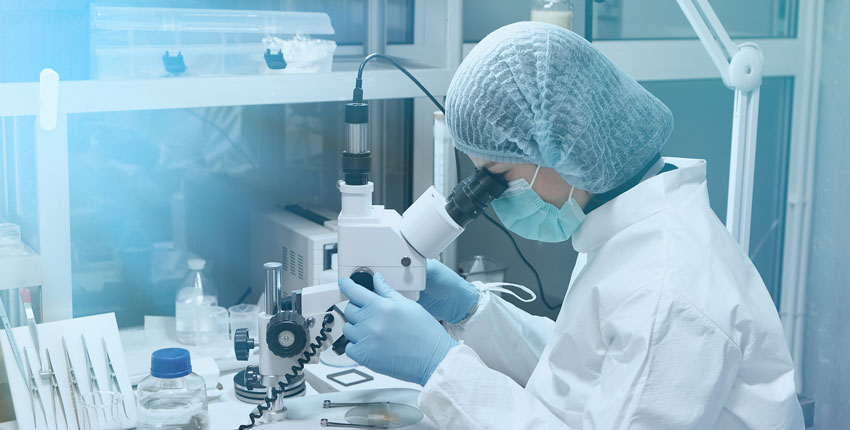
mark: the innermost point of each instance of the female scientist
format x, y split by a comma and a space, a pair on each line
666, 323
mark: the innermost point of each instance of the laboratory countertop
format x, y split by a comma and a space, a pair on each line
306, 412
228, 412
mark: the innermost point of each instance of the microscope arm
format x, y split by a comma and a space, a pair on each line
313, 303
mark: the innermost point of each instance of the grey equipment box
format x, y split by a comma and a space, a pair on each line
303, 241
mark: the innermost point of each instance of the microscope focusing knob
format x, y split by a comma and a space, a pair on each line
252, 377
286, 335
339, 345
242, 344
363, 277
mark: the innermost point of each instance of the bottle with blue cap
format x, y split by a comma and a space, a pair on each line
172, 397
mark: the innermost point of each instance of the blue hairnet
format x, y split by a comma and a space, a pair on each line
537, 93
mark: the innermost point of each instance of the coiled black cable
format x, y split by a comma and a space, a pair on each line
295, 370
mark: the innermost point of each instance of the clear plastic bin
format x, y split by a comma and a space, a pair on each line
140, 43
10, 234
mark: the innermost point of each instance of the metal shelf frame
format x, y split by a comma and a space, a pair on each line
432, 60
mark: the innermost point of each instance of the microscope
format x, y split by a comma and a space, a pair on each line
295, 329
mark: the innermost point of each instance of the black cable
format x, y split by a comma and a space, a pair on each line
513, 241
295, 370
244, 296
588, 20
524, 260
358, 98
359, 83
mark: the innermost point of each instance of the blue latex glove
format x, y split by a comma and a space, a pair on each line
392, 334
447, 296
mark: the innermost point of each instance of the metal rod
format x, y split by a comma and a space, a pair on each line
325, 423
328, 404
273, 287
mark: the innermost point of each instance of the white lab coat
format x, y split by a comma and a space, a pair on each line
666, 326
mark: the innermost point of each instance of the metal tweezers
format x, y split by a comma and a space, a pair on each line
56, 394
72, 382
113, 377
92, 378
34, 393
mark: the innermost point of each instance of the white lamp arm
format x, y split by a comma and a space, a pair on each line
741, 67
711, 33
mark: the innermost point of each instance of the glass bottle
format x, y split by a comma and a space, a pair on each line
557, 12
194, 301
172, 397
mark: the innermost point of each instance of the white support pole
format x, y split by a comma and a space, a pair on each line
444, 173
376, 26
54, 220
801, 182
454, 34
742, 166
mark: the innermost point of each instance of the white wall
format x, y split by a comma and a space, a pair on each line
826, 368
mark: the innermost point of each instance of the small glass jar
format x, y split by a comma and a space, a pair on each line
557, 12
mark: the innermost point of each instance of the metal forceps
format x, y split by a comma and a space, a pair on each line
72, 382
34, 393
113, 377
93, 384
92, 378
56, 394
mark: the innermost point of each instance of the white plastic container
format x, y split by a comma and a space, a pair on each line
133, 42
557, 12
172, 397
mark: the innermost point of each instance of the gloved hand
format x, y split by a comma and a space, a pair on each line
391, 334
447, 296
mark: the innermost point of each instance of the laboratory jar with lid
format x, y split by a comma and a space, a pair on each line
172, 397
557, 12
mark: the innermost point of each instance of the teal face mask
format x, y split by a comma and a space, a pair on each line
523, 212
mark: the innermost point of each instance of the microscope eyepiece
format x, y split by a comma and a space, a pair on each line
471, 196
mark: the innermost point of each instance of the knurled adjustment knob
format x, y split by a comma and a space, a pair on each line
252, 377
242, 344
286, 334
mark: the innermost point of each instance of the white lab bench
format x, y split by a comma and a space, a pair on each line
228, 412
